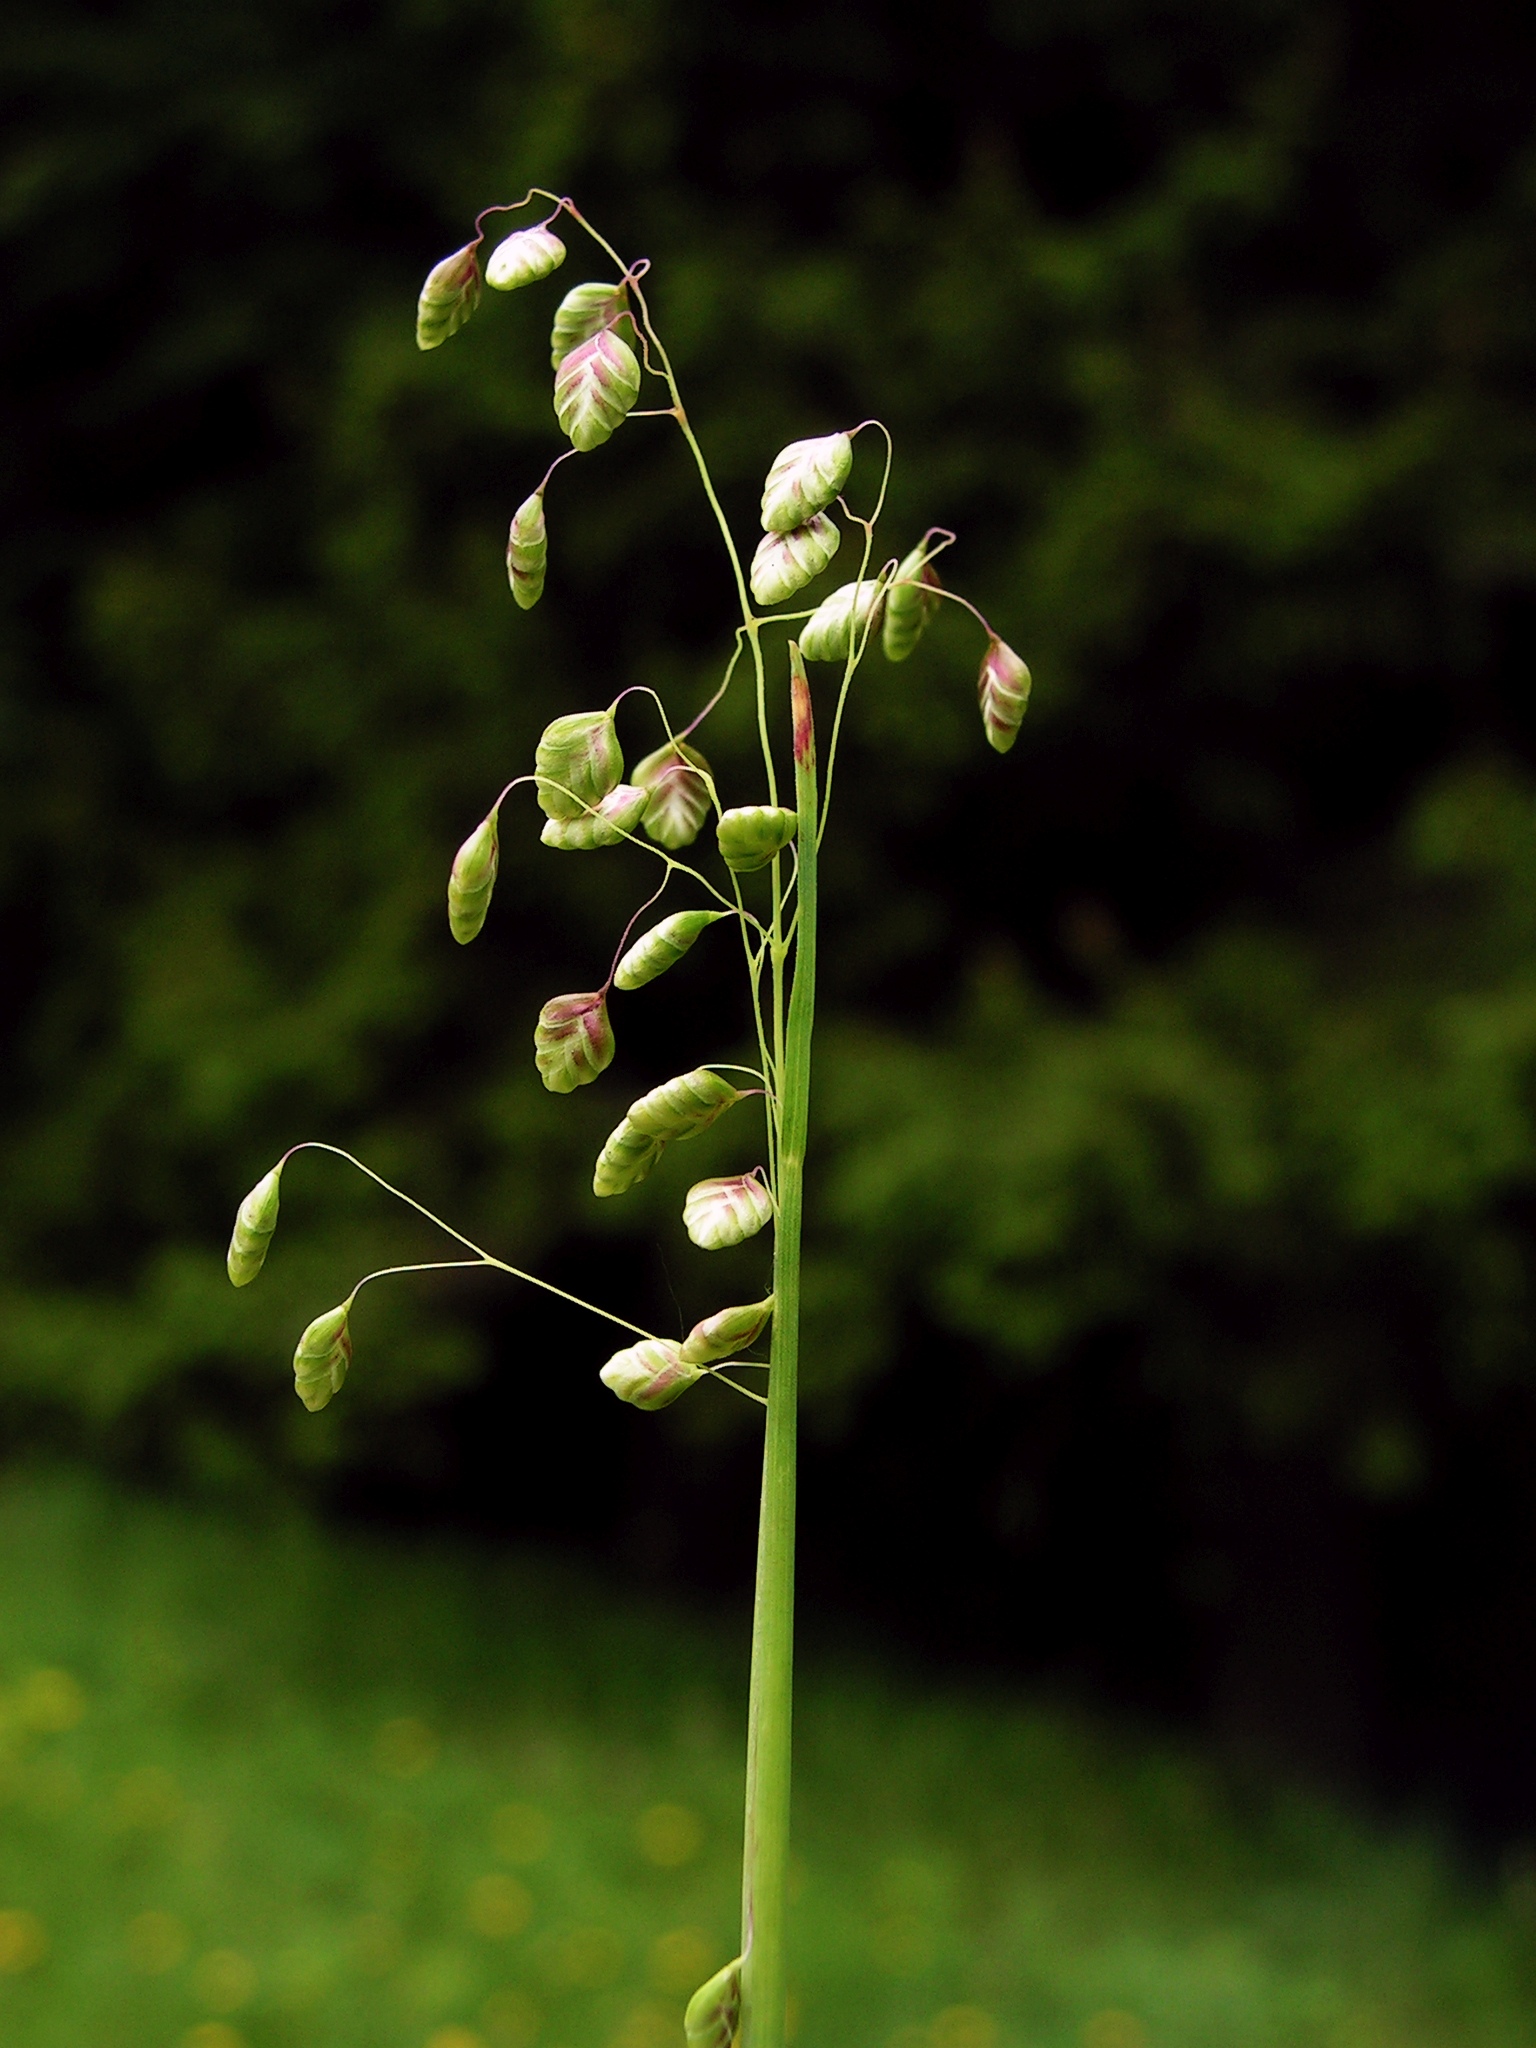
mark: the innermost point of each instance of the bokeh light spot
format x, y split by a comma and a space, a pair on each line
212, 2034
586, 1957
223, 1980
510, 2018
1114, 2028
967, 2026
498, 1906
405, 1747
455, 2037
680, 1961
148, 1798
669, 1836
376, 1944
647, 2026
519, 1834
156, 1942
49, 1702
23, 1941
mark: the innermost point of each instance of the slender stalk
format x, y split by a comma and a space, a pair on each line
765, 1866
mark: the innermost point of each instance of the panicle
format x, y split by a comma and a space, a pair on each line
523, 258
619, 812
650, 1374
910, 603
714, 2011
595, 387
584, 311
718, 1213
786, 562
676, 777
804, 477
751, 835
663, 946
839, 620
255, 1221
450, 294
471, 880
528, 551
728, 1330
578, 761
572, 1041
322, 1356
679, 1108
1003, 691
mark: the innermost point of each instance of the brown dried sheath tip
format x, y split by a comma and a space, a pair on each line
800, 707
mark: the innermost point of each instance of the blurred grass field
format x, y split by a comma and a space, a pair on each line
270, 1787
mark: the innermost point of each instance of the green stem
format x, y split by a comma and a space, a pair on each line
765, 1864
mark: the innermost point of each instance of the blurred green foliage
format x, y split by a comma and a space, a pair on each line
261, 1789
1204, 1025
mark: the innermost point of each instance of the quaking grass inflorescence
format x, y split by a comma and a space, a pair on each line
758, 873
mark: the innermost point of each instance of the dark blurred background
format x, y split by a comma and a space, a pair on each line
1172, 1275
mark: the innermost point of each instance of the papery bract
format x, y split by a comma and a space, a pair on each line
523, 258
728, 1330
595, 387
583, 312
910, 603
619, 813
471, 880
750, 835
679, 1108
718, 1213
786, 562
804, 477
675, 775
839, 620
650, 1374
528, 551
255, 1221
578, 760
663, 946
450, 294
1003, 691
572, 1041
322, 1356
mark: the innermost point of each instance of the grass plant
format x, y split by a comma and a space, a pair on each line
605, 346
